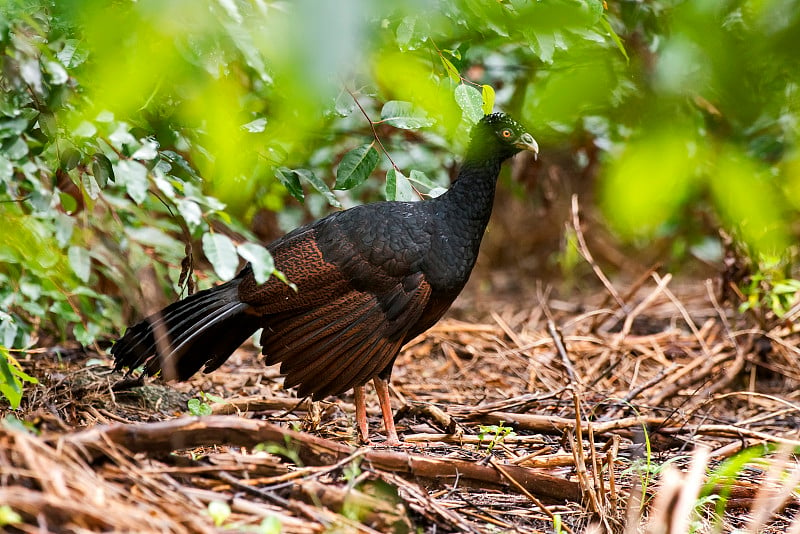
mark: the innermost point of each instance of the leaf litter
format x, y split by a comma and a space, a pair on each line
623, 412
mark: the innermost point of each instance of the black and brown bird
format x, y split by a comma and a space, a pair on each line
365, 281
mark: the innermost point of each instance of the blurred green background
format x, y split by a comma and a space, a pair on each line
140, 138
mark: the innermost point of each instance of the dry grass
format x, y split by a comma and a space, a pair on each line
621, 411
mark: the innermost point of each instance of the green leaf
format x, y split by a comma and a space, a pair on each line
198, 408
405, 31
8, 330
10, 517
544, 46
10, 386
147, 152
452, 71
153, 237
270, 525
455, 53
32, 74
291, 181
80, 261
11, 378
422, 179
614, 37
69, 157
191, 212
68, 202
6, 169
71, 56
164, 185
121, 136
391, 184
221, 252
213, 398
58, 75
355, 167
398, 187
319, 185
90, 186
180, 162
344, 104
12, 127
404, 115
132, 175
48, 125
64, 225
470, 101
787, 286
102, 169
219, 512
17, 150
256, 126
487, 95
260, 260
84, 129
86, 335
408, 35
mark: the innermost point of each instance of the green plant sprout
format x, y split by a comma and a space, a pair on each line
770, 288
200, 406
287, 450
497, 433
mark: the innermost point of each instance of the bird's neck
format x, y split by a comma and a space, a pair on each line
471, 196
460, 218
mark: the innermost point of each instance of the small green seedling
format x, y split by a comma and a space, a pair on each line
219, 512
497, 433
201, 406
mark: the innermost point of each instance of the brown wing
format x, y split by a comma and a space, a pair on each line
343, 325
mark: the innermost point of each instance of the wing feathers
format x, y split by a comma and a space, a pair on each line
303, 332
330, 349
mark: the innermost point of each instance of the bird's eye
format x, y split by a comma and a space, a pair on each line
506, 133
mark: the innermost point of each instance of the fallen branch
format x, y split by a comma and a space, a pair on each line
259, 404
549, 424
191, 432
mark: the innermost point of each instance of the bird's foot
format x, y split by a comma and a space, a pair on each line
393, 441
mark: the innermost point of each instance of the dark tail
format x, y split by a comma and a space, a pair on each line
201, 330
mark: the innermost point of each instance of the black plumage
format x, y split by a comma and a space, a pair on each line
368, 280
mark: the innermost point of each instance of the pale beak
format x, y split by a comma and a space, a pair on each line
527, 142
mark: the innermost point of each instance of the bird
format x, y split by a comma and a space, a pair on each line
364, 281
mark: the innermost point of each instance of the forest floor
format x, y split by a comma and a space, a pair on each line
522, 412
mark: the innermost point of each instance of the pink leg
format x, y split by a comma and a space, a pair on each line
361, 413
382, 389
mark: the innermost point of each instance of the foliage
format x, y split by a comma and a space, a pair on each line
219, 512
771, 288
11, 378
114, 170
288, 450
714, 117
722, 478
8, 516
13, 423
201, 406
495, 434
137, 138
197, 407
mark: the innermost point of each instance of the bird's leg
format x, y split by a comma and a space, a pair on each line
361, 413
382, 389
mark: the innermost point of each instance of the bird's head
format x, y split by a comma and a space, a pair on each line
503, 135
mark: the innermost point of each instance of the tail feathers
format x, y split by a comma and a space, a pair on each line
201, 330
